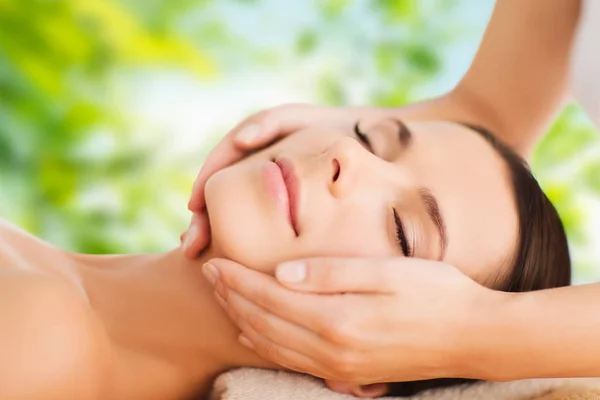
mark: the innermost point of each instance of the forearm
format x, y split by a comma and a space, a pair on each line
519, 77
455, 105
543, 334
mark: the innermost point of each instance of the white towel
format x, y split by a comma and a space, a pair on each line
259, 384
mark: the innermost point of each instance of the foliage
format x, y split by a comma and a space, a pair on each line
58, 61
79, 168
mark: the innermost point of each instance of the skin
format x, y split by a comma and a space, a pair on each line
147, 327
104, 327
352, 215
514, 87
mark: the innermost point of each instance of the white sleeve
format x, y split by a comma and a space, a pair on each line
585, 61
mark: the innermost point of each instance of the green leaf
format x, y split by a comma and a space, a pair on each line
398, 9
306, 42
332, 8
422, 58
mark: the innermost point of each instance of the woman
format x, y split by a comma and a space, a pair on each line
518, 80
146, 327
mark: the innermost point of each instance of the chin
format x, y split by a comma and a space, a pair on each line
240, 221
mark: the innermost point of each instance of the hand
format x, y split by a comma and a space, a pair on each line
253, 133
356, 320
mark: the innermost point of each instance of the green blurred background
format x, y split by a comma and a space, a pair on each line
108, 107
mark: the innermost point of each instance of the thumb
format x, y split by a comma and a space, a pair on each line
343, 275
269, 125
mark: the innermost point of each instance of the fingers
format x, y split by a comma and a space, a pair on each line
280, 354
269, 125
344, 275
340, 387
360, 391
306, 310
275, 338
197, 237
326, 335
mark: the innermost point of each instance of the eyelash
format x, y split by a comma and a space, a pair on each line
401, 234
364, 139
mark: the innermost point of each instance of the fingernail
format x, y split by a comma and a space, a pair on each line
190, 236
248, 134
245, 341
292, 272
210, 272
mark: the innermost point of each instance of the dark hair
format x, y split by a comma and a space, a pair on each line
541, 259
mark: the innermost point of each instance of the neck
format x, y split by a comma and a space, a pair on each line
161, 307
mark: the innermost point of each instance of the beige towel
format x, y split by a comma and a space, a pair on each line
257, 384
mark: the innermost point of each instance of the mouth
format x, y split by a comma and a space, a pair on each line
292, 184
285, 186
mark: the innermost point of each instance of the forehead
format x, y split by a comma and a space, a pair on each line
472, 185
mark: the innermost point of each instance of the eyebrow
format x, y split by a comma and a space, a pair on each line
404, 134
433, 211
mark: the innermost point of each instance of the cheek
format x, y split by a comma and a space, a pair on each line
243, 227
353, 235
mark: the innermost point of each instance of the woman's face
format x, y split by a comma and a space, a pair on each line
433, 190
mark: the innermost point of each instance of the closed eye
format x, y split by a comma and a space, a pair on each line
363, 138
401, 235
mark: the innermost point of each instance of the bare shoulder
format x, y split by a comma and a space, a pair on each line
52, 346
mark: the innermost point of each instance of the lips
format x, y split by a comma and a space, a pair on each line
284, 186
292, 185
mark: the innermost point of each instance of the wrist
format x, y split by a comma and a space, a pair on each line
486, 329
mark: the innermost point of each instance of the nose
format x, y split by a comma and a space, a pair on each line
346, 158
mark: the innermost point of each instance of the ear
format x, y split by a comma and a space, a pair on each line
362, 391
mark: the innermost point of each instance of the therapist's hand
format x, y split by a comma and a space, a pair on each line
357, 320
256, 132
